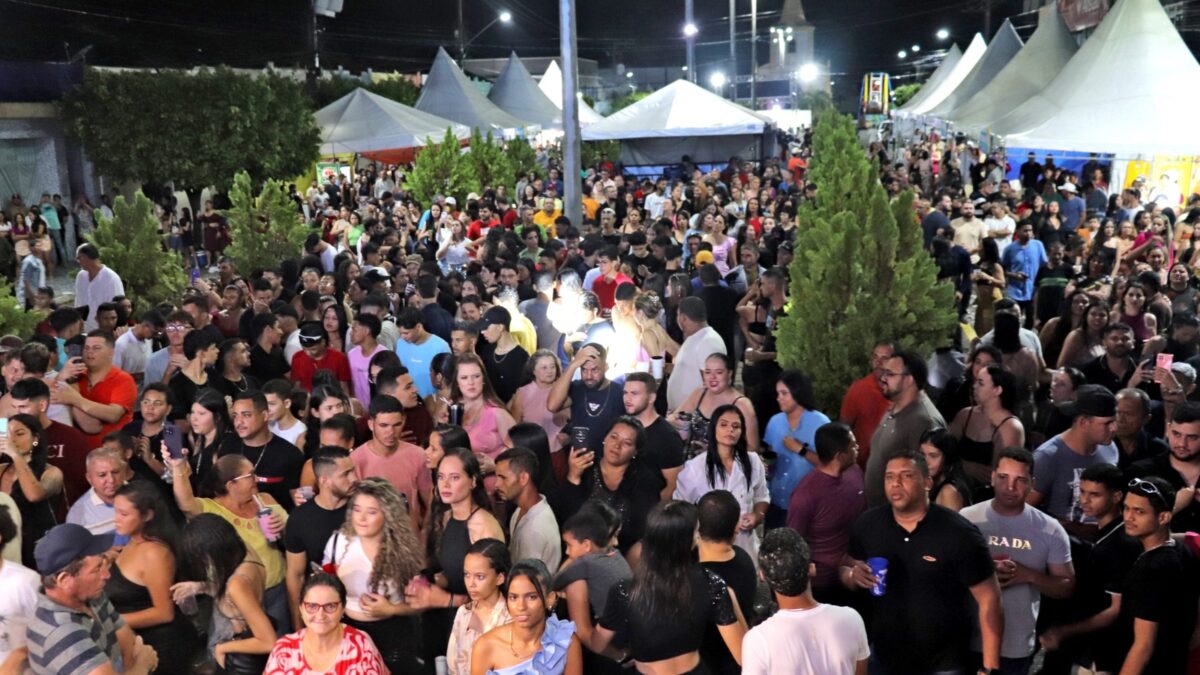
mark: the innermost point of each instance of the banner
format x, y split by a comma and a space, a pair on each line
876, 94
1169, 179
1081, 14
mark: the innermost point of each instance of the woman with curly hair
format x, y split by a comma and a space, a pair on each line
375, 554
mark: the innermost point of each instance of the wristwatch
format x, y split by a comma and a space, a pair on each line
803, 448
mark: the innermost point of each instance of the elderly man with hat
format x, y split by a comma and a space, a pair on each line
75, 629
1059, 461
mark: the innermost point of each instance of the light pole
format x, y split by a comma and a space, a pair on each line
943, 34
503, 17
733, 46
689, 34
572, 157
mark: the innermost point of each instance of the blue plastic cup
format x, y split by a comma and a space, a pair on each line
879, 567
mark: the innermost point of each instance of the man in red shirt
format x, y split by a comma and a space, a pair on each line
316, 355
864, 405
487, 221
605, 285
508, 216
102, 398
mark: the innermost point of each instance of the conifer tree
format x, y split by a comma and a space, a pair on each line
523, 160
15, 319
438, 170
265, 229
486, 164
131, 244
860, 273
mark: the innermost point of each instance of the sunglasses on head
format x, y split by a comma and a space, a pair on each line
1147, 489
310, 339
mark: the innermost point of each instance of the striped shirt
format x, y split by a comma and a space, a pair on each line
63, 641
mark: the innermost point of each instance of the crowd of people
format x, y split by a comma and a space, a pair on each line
481, 438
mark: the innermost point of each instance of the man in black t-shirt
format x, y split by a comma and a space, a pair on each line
277, 463
664, 446
595, 400
719, 515
313, 523
937, 562
503, 358
1158, 605
1179, 466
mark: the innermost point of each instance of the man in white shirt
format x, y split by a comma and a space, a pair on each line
134, 346
18, 600
999, 225
655, 200
700, 342
106, 473
533, 528
95, 284
804, 637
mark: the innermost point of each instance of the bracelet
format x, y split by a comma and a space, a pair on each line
450, 604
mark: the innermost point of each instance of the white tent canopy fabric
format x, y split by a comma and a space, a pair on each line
1004, 46
518, 94
949, 61
1130, 90
449, 93
1028, 73
363, 122
955, 77
552, 86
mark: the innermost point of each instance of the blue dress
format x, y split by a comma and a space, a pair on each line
551, 659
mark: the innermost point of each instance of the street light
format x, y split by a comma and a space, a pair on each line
902, 54
717, 80
690, 30
808, 72
504, 17
685, 69
942, 34
629, 74
916, 48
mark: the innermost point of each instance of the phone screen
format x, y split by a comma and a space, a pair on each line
3, 426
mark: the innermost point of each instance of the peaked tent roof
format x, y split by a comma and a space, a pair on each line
1004, 46
1129, 90
949, 61
365, 123
965, 65
678, 109
1028, 73
518, 95
449, 93
552, 84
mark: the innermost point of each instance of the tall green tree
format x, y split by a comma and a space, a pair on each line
132, 123
486, 164
263, 229
330, 89
523, 159
130, 243
860, 272
904, 93
440, 170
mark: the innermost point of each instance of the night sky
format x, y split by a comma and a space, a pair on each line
853, 35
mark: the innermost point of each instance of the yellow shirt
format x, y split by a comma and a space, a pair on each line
523, 332
590, 207
252, 536
546, 222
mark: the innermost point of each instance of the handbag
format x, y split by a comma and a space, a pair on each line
237, 663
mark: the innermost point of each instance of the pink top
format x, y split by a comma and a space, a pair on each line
405, 469
357, 656
486, 440
360, 373
533, 409
721, 254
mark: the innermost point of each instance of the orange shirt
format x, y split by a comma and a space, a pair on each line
116, 388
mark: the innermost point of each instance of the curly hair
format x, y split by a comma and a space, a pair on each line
399, 558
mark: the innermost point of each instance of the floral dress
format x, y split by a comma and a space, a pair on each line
357, 656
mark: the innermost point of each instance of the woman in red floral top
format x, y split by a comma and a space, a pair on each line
325, 645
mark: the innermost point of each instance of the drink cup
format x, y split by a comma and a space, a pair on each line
306, 491
264, 524
656, 367
879, 567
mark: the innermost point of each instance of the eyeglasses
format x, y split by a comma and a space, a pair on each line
314, 607
245, 475
176, 328
888, 373
1148, 490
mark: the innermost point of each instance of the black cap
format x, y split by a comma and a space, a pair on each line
1091, 400
493, 316
311, 332
66, 543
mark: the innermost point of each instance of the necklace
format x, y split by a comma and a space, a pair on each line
239, 384
513, 649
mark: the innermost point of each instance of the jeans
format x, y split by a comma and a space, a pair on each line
59, 247
275, 604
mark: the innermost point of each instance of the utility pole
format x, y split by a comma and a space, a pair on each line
689, 20
313, 76
462, 36
987, 18
572, 183
754, 54
733, 48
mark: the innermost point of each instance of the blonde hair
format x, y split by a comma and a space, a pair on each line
399, 558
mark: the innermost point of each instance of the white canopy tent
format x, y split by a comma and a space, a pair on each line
1130, 91
949, 61
552, 86
1029, 72
682, 119
1004, 46
379, 128
517, 94
957, 74
449, 93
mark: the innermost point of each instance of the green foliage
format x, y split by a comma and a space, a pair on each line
330, 89
860, 272
591, 151
439, 170
485, 164
523, 159
904, 93
133, 125
627, 100
14, 320
816, 101
130, 243
265, 229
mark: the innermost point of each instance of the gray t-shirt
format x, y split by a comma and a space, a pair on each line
1032, 539
1056, 470
601, 570
896, 433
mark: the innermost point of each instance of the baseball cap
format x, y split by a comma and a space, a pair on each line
495, 315
66, 543
787, 246
414, 259
377, 274
1091, 400
705, 258
311, 333
1067, 187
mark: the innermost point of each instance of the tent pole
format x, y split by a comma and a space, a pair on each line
733, 48
754, 54
572, 183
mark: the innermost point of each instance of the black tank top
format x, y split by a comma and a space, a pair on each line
453, 549
979, 452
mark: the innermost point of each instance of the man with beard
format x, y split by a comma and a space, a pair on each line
664, 447
1060, 461
937, 561
595, 402
864, 404
277, 463
315, 521
1180, 467
968, 231
910, 416
1116, 366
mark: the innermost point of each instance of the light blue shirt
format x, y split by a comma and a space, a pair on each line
790, 467
1026, 258
91, 512
417, 359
